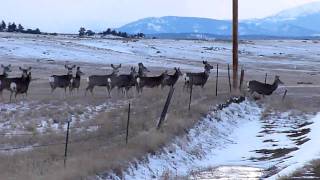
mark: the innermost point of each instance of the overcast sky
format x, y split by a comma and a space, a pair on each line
69, 15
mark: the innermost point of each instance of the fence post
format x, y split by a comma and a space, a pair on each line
165, 108
67, 141
241, 79
217, 77
190, 98
229, 77
128, 122
265, 79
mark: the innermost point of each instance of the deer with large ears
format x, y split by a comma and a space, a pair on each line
102, 80
124, 81
21, 85
75, 81
62, 81
17, 85
198, 79
171, 80
262, 88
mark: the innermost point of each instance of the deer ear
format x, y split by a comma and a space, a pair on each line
112, 66
119, 66
20, 68
204, 62
9, 65
65, 66
73, 66
78, 68
2, 65
30, 68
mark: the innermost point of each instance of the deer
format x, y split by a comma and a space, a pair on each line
102, 80
124, 81
262, 88
62, 81
141, 73
17, 85
171, 80
75, 81
6, 70
150, 82
198, 79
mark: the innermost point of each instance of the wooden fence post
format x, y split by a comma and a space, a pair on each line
229, 78
165, 108
241, 79
217, 77
128, 122
66, 144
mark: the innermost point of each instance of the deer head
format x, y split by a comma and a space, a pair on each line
115, 69
277, 80
133, 72
207, 66
25, 72
6, 69
178, 71
69, 68
79, 72
142, 69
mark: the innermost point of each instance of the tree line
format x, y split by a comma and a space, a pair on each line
12, 27
83, 32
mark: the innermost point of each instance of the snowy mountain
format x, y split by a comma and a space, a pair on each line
300, 21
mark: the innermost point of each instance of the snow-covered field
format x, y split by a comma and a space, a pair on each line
237, 143
293, 54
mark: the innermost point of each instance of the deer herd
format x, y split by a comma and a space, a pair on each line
124, 82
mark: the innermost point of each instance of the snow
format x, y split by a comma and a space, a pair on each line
230, 143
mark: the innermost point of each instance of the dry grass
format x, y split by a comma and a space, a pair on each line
105, 148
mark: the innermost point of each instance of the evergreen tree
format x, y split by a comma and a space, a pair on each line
20, 28
3, 26
12, 27
82, 32
90, 33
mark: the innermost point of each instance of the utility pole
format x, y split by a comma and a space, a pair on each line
235, 43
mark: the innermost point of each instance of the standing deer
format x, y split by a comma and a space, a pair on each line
124, 81
102, 80
61, 81
262, 88
17, 85
150, 82
6, 70
198, 79
21, 85
75, 81
171, 80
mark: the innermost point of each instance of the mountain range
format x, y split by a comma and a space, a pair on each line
301, 21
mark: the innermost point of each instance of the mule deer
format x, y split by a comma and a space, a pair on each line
61, 81
171, 80
198, 79
75, 81
262, 88
21, 85
17, 85
102, 80
124, 81
150, 82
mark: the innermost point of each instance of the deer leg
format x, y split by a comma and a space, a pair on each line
11, 95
